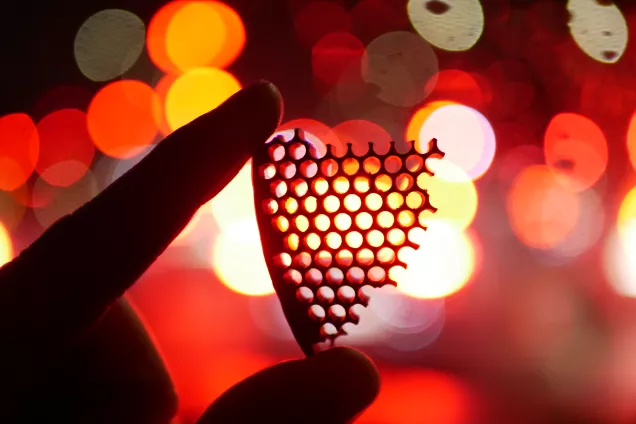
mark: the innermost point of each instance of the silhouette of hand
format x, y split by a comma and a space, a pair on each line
72, 350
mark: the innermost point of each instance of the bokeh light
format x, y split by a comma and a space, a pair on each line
420, 116
626, 219
441, 266
631, 140
588, 230
462, 87
156, 36
316, 132
197, 92
542, 213
122, 118
12, 209
19, 150
6, 246
334, 54
620, 260
401, 65
599, 29
452, 26
66, 148
109, 43
575, 150
236, 201
360, 133
464, 135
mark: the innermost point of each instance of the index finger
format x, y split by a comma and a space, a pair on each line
66, 280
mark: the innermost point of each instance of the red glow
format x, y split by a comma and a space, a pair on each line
360, 132
19, 149
334, 55
458, 86
320, 18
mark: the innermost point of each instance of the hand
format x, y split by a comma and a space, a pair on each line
71, 349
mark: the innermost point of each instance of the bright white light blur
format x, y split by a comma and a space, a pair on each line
464, 135
6, 247
235, 203
441, 266
600, 31
237, 258
620, 260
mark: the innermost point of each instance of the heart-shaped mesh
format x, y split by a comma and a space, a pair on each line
332, 228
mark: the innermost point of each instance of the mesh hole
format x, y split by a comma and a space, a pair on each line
283, 259
276, 152
352, 202
331, 203
312, 241
392, 164
337, 313
313, 277
335, 276
305, 295
355, 311
415, 200
405, 254
317, 313
281, 223
386, 256
406, 218
383, 183
323, 258
291, 205
424, 217
375, 238
385, 219
364, 220
270, 206
341, 185
299, 187
371, 165
310, 204
396, 237
395, 200
350, 166
404, 182
325, 294
374, 201
346, 294
396, 272
292, 276
320, 186
342, 221
355, 275
308, 169
361, 184
328, 330
364, 293
278, 188
333, 240
365, 257
376, 274
414, 163
302, 260
287, 170
322, 222
302, 223
354, 239
329, 168
268, 171
292, 241
416, 234
423, 180
344, 258
297, 151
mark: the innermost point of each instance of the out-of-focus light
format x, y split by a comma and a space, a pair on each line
66, 149
319, 18
453, 26
441, 266
268, 316
464, 135
197, 92
462, 87
419, 396
156, 36
61, 97
121, 118
626, 219
239, 244
6, 246
542, 213
518, 159
359, 133
11, 209
631, 140
400, 64
235, 39
161, 88
620, 260
109, 43
19, 150
405, 314
334, 54
575, 150
414, 127
452, 192
372, 18
235, 203
599, 29
318, 133
63, 200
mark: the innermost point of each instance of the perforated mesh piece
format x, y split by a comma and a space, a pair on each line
333, 227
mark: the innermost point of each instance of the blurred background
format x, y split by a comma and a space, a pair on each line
520, 306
